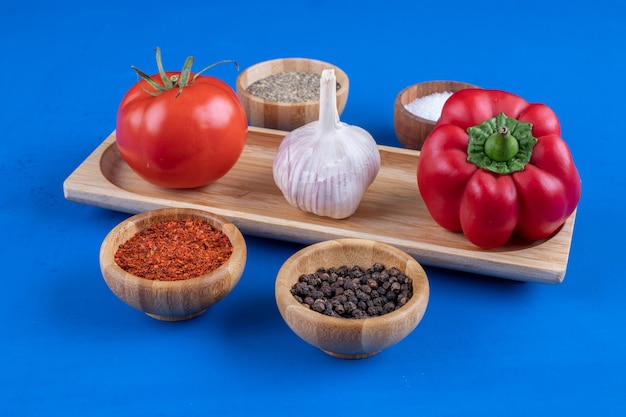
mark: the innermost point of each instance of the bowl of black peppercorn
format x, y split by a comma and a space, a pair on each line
351, 298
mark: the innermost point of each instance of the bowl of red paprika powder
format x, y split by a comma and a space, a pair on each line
173, 263
352, 298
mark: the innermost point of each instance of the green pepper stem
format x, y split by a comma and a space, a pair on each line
501, 144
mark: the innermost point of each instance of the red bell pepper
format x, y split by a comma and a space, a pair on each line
495, 166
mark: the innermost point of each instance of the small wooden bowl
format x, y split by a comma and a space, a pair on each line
350, 338
172, 300
279, 115
411, 129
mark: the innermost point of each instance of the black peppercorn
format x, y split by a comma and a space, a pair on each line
402, 299
356, 272
319, 305
359, 314
326, 290
352, 292
389, 307
339, 309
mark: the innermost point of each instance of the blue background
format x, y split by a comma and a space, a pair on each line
486, 346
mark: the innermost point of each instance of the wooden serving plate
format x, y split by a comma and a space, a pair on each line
391, 211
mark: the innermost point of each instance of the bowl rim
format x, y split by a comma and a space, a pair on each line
132, 226
341, 76
418, 297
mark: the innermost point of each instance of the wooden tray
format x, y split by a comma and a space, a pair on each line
391, 211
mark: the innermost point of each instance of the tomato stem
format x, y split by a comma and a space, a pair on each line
166, 81
179, 81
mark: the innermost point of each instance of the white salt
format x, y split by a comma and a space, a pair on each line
429, 107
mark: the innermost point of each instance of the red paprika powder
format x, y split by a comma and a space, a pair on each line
174, 250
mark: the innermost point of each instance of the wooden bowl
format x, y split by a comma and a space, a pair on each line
411, 129
350, 338
283, 115
172, 300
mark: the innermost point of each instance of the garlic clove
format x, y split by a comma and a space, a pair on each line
325, 166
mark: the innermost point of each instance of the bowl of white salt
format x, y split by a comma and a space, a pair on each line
418, 107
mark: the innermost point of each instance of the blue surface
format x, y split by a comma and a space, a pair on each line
486, 347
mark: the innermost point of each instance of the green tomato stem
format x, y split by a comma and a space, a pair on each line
167, 83
175, 81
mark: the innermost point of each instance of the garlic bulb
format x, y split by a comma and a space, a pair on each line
325, 166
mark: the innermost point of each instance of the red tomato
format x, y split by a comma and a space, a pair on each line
181, 137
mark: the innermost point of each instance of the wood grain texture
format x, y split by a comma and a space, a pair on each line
391, 211
411, 130
172, 300
344, 337
286, 116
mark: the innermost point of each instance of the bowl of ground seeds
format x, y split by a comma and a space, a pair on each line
417, 108
351, 298
173, 263
284, 93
